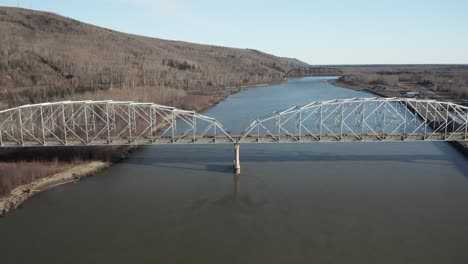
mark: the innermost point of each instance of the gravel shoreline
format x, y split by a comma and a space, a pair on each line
21, 193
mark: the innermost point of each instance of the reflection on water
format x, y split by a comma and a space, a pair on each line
233, 199
293, 203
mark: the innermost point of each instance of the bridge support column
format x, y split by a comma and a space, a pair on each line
236, 158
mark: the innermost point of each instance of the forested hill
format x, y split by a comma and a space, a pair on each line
44, 56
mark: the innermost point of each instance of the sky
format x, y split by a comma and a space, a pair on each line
317, 32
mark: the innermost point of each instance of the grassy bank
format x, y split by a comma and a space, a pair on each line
21, 166
41, 182
13, 174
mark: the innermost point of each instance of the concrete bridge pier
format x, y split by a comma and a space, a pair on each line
236, 158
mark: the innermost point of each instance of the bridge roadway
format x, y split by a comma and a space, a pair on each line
311, 138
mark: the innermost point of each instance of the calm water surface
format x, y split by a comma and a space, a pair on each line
293, 203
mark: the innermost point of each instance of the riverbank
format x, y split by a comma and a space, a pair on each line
21, 193
337, 83
439, 82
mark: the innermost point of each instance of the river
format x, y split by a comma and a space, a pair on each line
293, 203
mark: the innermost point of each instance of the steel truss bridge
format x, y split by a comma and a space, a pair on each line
95, 123
103, 123
313, 71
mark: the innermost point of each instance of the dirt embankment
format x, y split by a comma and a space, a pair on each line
21, 193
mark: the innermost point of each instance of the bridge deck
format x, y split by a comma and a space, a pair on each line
254, 139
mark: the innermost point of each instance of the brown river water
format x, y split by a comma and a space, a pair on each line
293, 203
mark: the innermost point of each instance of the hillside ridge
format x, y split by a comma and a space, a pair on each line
48, 57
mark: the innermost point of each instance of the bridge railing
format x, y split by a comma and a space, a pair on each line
362, 119
104, 123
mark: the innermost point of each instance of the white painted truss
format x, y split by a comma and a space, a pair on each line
82, 123
76, 123
363, 119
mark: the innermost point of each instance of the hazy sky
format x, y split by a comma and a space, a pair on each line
318, 32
